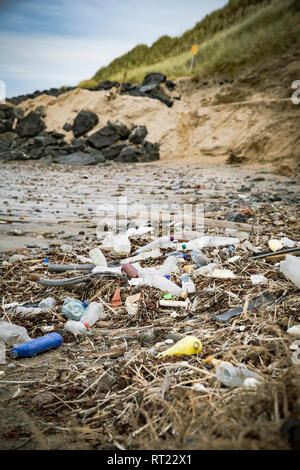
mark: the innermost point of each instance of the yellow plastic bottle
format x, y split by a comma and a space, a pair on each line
188, 345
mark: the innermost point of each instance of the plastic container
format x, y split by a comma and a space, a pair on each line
169, 266
73, 308
36, 346
199, 258
189, 345
121, 244
46, 304
177, 254
76, 327
162, 242
187, 284
162, 283
232, 376
97, 257
13, 334
20, 310
92, 313
291, 269
210, 242
206, 270
129, 270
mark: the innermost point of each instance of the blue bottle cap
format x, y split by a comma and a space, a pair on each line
167, 276
185, 256
198, 266
231, 248
46, 260
85, 303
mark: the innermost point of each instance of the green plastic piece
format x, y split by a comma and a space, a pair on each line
167, 296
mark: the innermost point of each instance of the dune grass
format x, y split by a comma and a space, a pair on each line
270, 29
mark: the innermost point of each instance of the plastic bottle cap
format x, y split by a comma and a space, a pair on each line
167, 276
171, 239
198, 266
85, 324
184, 246
231, 248
185, 255
46, 260
85, 303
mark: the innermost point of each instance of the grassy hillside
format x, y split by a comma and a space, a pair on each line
241, 33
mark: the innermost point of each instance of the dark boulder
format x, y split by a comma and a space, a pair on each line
138, 134
43, 140
103, 138
150, 152
119, 129
154, 78
77, 158
99, 157
78, 144
110, 153
6, 112
57, 135
84, 122
170, 85
6, 125
67, 127
30, 126
129, 155
16, 154
105, 85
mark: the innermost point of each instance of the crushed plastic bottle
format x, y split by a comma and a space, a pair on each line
189, 345
291, 269
46, 304
210, 242
13, 334
76, 327
162, 242
199, 258
92, 313
232, 376
37, 345
98, 257
74, 308
187, 284
169, 266
206, 270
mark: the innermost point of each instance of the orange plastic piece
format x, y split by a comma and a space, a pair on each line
116, 300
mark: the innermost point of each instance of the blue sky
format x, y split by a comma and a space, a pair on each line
61, 42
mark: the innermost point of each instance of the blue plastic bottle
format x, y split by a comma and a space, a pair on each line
36, 346
74, 309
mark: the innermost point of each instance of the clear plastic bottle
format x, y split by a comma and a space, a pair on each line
199, 258
161, 283
162, 242
205, 270
232, 376
76, 327
187, 284
74, 308
13, 334
46, 304
211, 242
169, 266
97, 257
92, 313
121, 244
20, 310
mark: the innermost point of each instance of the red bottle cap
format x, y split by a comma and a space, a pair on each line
85, 324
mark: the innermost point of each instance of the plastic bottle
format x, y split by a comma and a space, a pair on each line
76, 327
108, 241
161, 283
36, 346
169, 266
20, 310
177, 254
162, 242
291, 269
187, 284
130, 270
121, 244
13, 334
211, 242
232, 376
199, 258
92, 313
206, 270
97, 257
47, 304
74, 308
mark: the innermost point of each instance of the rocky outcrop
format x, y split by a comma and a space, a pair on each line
84, 122
30, 126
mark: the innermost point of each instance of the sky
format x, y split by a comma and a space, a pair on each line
46, 44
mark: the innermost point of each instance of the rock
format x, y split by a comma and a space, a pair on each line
103, 138
42, 399
119, 129
138, 134
110, 153
98, 156
236, 217
170, 85
9, 140
150, 152
6, 125
78, 144
19, 113
47, 159
43, 140
18, 154
30, 126
67, 127
154, 78
6, 112
41, 111
84, 122
105, 85
76, 158
129, 155
57, 135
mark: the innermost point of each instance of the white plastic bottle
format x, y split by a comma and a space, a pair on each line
98, 257
92, 313
169, 266
205, 270
46, 304
199, 258
76, 327
162, 242
291, 269
121, 244
162, 283
187, 284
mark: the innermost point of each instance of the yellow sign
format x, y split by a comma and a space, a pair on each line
194, 49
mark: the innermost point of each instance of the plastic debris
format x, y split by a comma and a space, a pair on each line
116, 300
12, 334
37, 345
186, 346
258, 279
275, 245
294, 331
291, 269
232, 376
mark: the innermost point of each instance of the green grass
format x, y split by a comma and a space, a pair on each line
263, 30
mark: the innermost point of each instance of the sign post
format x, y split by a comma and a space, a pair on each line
194, 52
